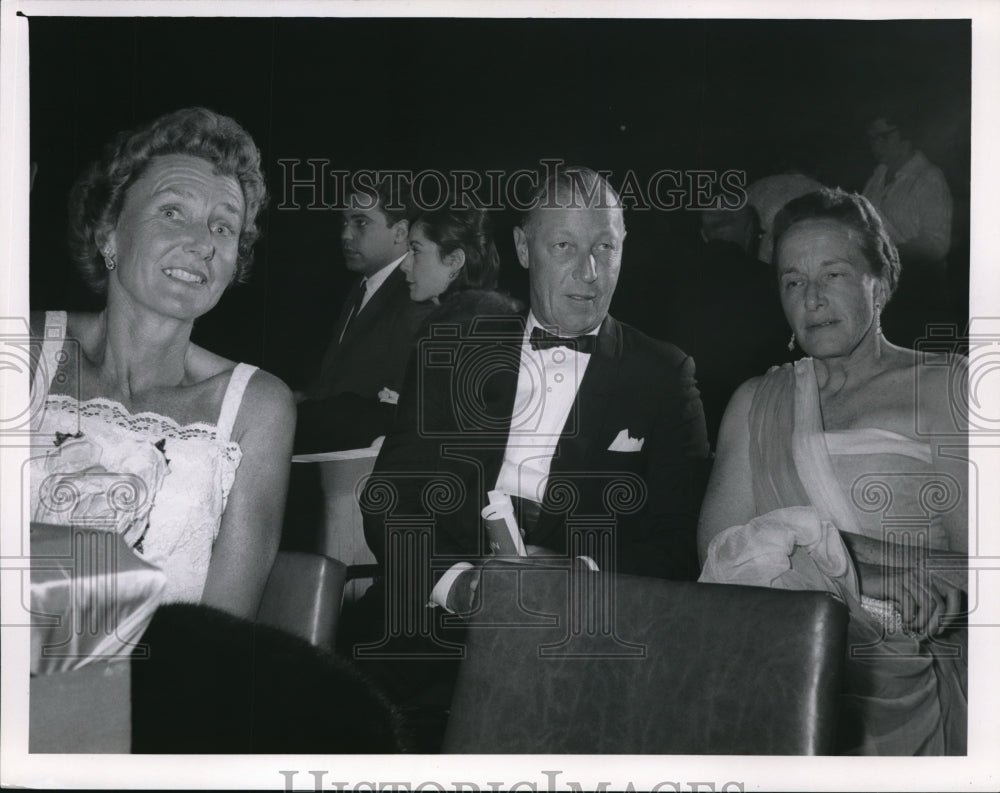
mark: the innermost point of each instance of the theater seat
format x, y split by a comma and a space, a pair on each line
661, 667
303, 596
323, 510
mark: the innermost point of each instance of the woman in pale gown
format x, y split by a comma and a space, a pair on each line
847, 472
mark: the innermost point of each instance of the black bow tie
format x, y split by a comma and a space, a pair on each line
541, 339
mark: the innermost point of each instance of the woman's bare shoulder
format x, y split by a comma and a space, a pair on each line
929, 370
748, 389
203, 365
267, 410
940, 385
270, 393
926, 369
264, 391
740, 402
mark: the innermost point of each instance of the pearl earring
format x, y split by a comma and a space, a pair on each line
109, 261
878, 319
791, 342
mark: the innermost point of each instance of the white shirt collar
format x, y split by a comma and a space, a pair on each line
372, 283
534, 323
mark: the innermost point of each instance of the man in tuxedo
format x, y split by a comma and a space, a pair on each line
594, 430
374, 334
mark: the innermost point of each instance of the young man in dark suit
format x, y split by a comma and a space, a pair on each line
374, 334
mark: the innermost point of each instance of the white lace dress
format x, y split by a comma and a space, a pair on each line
163, 485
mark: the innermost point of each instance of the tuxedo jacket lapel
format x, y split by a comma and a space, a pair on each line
500, 393
589, 411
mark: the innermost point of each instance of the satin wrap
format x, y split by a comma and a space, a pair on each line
91, 597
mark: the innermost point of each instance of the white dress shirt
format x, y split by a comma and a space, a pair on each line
915, 205
547, 384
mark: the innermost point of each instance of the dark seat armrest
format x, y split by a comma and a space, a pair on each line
303, 596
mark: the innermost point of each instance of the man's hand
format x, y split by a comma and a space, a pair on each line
463, 595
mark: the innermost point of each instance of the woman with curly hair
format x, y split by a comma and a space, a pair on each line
160, 227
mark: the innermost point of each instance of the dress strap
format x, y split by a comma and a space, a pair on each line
872, 440
53, 341
231, 401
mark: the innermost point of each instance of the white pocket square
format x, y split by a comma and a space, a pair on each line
626, 443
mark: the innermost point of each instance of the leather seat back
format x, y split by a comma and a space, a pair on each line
562, 661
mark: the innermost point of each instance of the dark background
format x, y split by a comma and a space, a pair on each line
756, 96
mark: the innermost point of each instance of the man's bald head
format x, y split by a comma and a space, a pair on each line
571, 187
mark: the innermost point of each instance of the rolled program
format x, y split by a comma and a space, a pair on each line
502, 530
